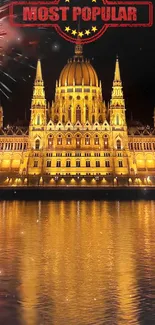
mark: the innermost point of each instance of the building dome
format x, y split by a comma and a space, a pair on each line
78, 72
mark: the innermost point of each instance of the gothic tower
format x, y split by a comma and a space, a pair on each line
38, 125
38, 106
118, 124
117, 103
38, 119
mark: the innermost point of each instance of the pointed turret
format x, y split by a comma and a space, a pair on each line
117, 76
39, 72
118, 121
38, 91
117, 103
117, 99
38, 107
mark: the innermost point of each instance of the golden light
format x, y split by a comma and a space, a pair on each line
73, 181
52, 181
62, 181
41, 180
83, 181
104, 181
6, 180
149, 180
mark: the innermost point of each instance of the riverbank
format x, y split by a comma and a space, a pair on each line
76, 193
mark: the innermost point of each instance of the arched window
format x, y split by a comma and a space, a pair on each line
68, 163
69, 113
100, 119
96, 140
117, 119
69, 140
78, 114
87, 163
63, 118
50, 141
37, 144
38, 119
59, 139
55, 119
118, 144
78, 141
105, 140
77, 163
87, 139
93, 119
87, 113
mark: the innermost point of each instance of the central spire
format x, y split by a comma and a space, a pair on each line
78, 49
78, 45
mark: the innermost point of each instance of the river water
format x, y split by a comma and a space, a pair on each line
77, 262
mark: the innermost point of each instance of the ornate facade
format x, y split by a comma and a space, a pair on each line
78, 140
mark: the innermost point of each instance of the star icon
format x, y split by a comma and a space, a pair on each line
87, 32
67, 29
74, 32
67, 0
93, 0
94, 29
80, 34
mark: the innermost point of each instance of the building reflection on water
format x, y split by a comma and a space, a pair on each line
77, 262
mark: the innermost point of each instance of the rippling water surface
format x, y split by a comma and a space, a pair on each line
77, 263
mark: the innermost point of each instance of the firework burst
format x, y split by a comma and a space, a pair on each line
9, 57
19, 49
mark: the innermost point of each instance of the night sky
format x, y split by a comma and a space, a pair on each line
134, 46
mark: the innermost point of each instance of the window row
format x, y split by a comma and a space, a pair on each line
13, 146
77, 90
69, 141
142, 146
78, 154
78, 163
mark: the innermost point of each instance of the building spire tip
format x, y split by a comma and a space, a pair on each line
78, 46
38, 70
78, 49
117, 76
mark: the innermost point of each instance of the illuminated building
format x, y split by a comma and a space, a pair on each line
78, 140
